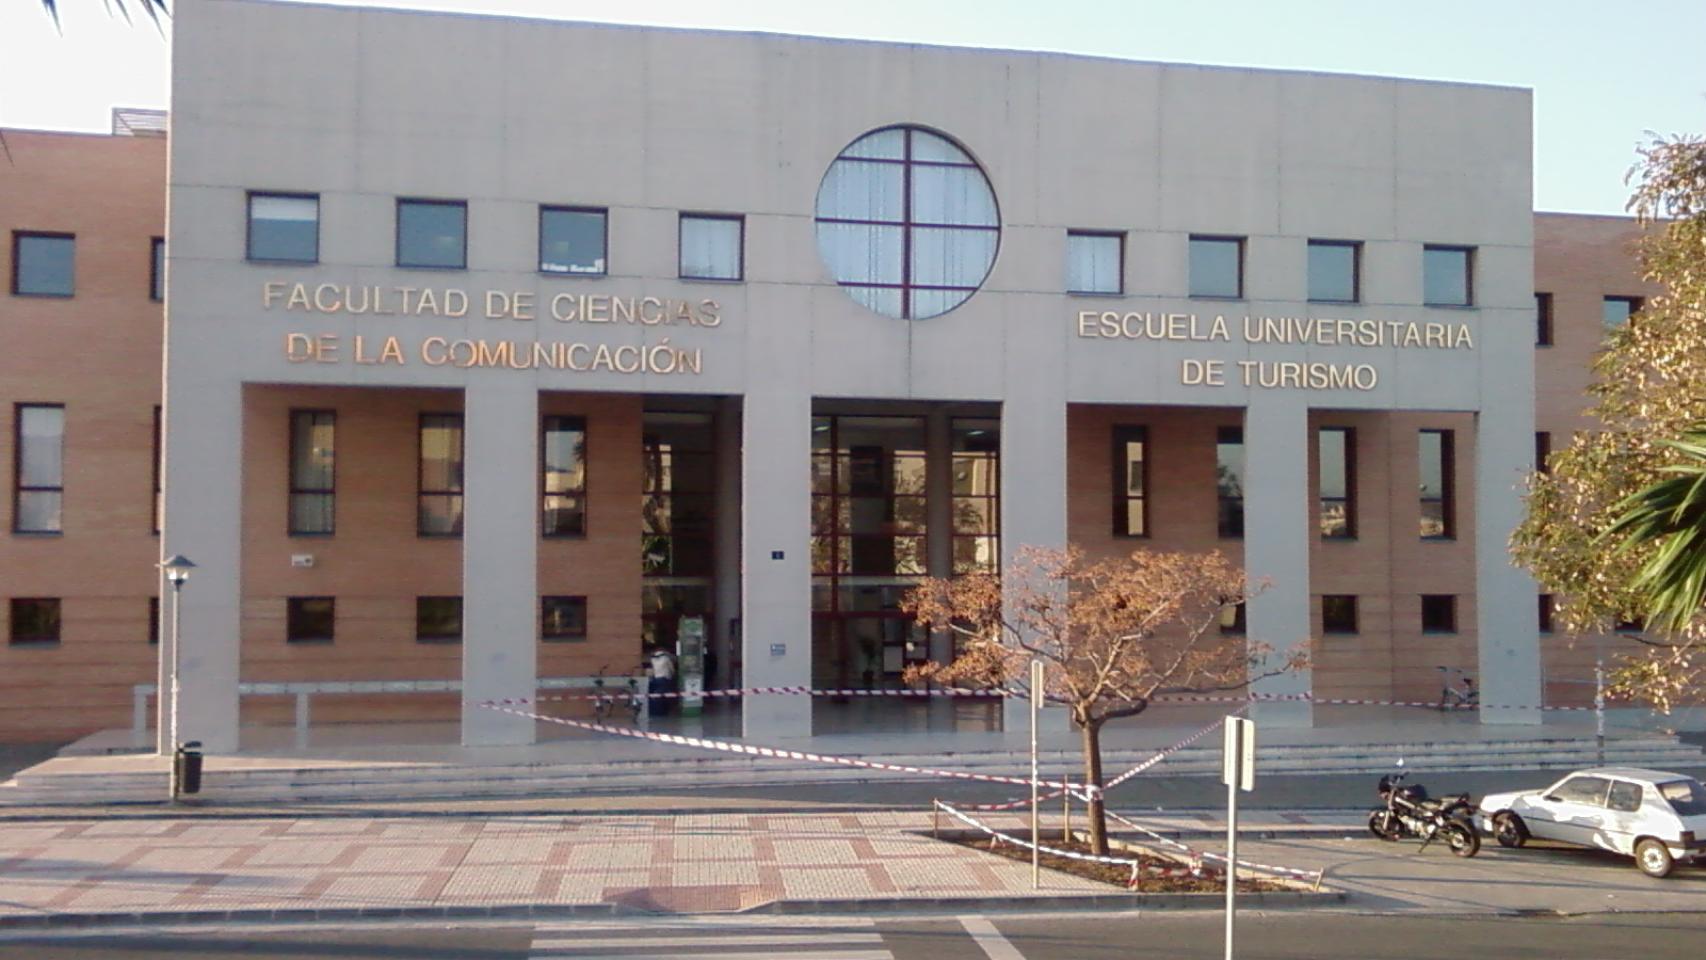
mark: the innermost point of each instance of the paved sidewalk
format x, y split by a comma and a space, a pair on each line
680, 864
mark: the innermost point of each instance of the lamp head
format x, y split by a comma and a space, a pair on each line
178, 569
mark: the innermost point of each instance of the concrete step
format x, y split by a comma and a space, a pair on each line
356, 781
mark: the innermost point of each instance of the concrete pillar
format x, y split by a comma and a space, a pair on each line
1278, 529
776, 432
726, 550
939, 513
1033, 489
1507, 620
500, 556
203, 424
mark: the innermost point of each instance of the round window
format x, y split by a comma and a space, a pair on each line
907, 223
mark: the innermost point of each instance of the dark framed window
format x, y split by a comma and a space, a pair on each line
1095, 262
44, 264
1439, 613
1338, 613
907, 223
438, 619
313, 472
38, 468
574, 240
153, 621
310, 619
1335, 271
1546, 613
1131, 481
678, 509
157, 269
712, 246
432, 234
439, 475
1543, 319
1232, 620
158, 504
562, 619
284, 227
976, 503
1542, 451
35, 621
563, 484
1337, 448
869, 511
1448, 276
1437, 465
1229, 481
1616, 311
1217, 267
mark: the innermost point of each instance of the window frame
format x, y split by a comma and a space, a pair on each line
1355, 247
1123, 435
157, 269
18, 486
1450, 608
154, 621
545, 422
1240, 625
1355, 623
291, 610
249, 224
1350, 498
450, 639
18, 238
1543, 329
546, 636
1190, 284
1634, 303
397, 228
1469, 259
1447, 484
156, 504
15, 605
1119, 237
421, 490
1545, 612
292, 490
1221, 435
1542, 451
604, 239
739, 219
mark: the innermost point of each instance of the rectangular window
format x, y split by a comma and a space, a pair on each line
1337, 447
38, 468
1338, 613
678, 505
1543, 319
1229, 480
1131, 475
159, 506
1448, 276
284, 227
1232, 620
309, 619
711, 246
1217, 267
313, 472
976, 504
438, 619
563, 462
35, 620
1546, 613
432, 234
439, 509
153, 621
157, 269
1335, 271
562, 618
44, 264
1095, 262
1439, 613
1616, 311
573, 240
1436, 464
1542, 451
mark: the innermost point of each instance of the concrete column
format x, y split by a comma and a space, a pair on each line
203, 479
1033, 490
726, 562
1277, 535
939, 513
776, 431
500, 556
1507, 621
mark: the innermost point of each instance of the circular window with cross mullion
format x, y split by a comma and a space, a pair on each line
907, 223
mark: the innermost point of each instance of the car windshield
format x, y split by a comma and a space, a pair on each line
1686, 797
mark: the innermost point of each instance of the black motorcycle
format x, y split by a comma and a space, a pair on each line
1410, 812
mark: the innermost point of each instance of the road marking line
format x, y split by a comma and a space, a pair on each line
713, 955
707, 938
990, 940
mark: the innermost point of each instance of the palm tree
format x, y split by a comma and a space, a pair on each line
154, 8
1670, 516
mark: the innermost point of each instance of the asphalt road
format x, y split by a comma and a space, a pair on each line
1153, 936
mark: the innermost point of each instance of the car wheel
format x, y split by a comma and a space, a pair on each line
1380, 824
1653, 858
1509, 830
1462, 839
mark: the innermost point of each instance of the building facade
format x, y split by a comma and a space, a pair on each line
480, 374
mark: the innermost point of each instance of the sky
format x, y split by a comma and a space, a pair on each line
1603, 73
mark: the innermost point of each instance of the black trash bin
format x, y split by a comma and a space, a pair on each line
186, 767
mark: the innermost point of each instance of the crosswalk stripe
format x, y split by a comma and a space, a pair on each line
707, 938
990, 940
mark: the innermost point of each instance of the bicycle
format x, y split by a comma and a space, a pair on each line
1452, 698
601, 705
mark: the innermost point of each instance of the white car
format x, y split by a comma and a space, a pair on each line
1656, 817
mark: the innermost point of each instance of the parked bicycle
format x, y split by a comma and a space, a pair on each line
1459, 695
604, 698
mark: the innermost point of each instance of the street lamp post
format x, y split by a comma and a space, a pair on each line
177, 570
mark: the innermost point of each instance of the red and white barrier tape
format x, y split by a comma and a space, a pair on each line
622, 692
1135, 866
1205, 856
1351, 702
776, 753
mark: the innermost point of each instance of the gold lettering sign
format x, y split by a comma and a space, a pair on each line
524, 305
659, 358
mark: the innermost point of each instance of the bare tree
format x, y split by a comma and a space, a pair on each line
155, 9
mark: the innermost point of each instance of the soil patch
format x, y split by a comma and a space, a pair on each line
1156, 874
